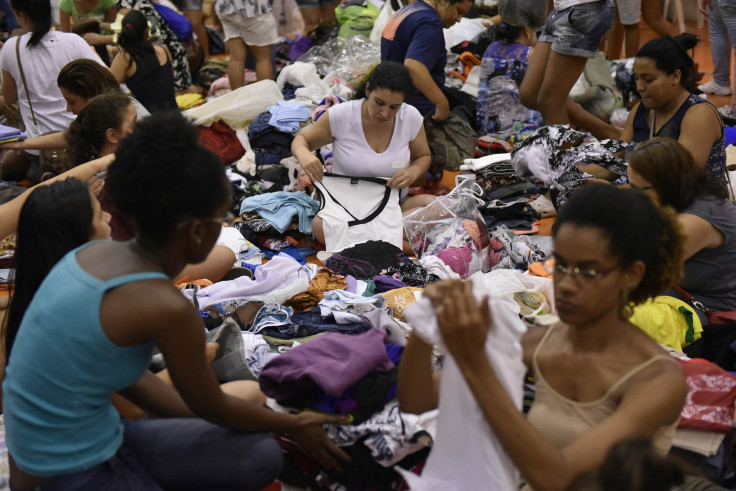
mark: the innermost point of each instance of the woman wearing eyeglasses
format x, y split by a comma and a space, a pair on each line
599, 379
665, 170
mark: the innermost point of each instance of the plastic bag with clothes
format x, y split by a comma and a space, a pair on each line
356, 19
239, 107
452, 229
347, 58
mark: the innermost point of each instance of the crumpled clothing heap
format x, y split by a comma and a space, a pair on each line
511, 251
540, 157
324, 281
411, 274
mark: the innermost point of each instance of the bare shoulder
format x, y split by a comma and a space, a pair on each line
530, 341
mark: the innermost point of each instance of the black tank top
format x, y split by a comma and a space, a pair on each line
155, 90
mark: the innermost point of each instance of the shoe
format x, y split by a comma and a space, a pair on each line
715, 88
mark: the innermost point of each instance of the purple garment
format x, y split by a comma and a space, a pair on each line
300, 46
385, 283
352, 284
333, 362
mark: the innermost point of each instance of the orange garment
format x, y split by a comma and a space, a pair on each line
324, 281
201, 282
543, 269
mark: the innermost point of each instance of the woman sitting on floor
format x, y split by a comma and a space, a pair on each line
665, 170
145, 68
599, 379
667, 108
93, 326
79, 81
68, 212
375, 135
103, 122
42, 53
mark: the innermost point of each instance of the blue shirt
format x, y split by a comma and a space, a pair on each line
62, 371
415, 32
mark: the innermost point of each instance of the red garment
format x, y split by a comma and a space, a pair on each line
711, 392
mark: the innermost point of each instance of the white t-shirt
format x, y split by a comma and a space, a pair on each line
352, 154
41, 65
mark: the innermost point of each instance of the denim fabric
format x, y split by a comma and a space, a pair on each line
578, 30
722, 33
311, 322
272, 315
181, 454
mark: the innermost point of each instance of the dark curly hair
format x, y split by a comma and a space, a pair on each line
54, 220
637, 230
388, 75
162, 175
671, 53
87, 134
671, 170
86, 78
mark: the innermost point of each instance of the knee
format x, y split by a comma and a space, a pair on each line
270, 462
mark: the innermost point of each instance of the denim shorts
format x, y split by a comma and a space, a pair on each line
579, 30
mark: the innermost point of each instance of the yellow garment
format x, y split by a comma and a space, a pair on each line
669, 321
185, 101
400, 298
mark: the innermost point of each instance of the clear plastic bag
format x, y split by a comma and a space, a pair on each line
452, 228
348, 58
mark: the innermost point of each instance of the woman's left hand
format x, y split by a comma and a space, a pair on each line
404, 178
463, 322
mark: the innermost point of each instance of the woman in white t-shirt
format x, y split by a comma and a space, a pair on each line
376, 135
43, 53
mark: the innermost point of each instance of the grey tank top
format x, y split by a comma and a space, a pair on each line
708, 273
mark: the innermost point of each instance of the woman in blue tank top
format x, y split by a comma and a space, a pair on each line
92, 326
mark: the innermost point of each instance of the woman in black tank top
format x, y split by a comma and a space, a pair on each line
146, 69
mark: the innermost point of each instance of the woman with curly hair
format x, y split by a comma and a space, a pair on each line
599, 378
664, 169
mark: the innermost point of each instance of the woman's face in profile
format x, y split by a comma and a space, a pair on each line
382, 105
588, 279
74, 102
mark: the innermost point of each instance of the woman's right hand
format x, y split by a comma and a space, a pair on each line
312, 167
93, 39
314, 442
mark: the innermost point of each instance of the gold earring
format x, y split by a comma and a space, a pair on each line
627, 310
199, 241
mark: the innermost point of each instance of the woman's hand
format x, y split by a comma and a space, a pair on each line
404, 178
10, 111
312, 167
463, 323
314, 442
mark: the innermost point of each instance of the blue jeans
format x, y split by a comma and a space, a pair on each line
579, 30
180, 454
722, 32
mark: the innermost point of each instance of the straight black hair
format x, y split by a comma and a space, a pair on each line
54, 220
39, 13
